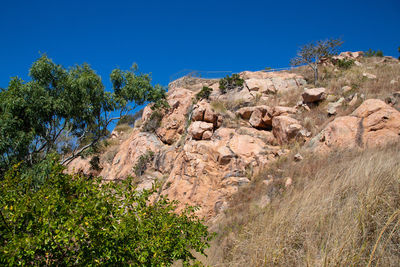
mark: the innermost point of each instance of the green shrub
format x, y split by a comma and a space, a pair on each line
95, 163
204, 93
344, 63
373, 53
143, 162
153, 123
230, 83
73, 220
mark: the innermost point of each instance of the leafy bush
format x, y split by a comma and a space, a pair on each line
95, 163
143, 162
344, 63
373, 53
153, 123
66, 220
204, 93
230, 83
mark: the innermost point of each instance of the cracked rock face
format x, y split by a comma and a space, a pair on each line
373, 123
203, 163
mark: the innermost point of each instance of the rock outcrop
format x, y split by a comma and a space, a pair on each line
372, 124
313, 95
204, 154
199, 161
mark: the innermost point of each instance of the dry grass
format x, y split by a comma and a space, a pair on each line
343, 210
123, 129
334, 80
218, 106
371, 88
109, 155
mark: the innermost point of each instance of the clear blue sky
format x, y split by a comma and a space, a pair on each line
164, 37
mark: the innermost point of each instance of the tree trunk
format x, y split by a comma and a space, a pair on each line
315, 74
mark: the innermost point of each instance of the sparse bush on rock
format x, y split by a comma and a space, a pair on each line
229, 83
344, 63
143, 162
153, 123
204, 93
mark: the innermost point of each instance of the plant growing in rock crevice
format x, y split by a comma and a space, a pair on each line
204, 93
230, 83
143, 162
153, 123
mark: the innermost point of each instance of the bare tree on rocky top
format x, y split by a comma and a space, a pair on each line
312, 53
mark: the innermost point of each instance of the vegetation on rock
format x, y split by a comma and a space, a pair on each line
153, 122
204, 93
143, 162
229, 83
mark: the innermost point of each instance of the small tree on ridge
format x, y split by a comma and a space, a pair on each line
312, 53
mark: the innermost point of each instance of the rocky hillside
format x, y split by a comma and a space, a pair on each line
204, 151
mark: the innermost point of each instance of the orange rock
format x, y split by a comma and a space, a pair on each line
372, 124
245, 113
197, 129
285, 128
313, 95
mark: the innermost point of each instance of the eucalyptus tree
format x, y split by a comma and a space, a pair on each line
61, 102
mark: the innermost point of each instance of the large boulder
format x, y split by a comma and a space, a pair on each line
260, 119
174, 121
261, 85
272, 82
197, 129
285, 128
313, 95
373, 123
245, 113
203, 112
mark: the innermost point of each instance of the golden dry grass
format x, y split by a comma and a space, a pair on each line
380, 87
343, 210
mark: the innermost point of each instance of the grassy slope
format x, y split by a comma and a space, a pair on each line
343, 209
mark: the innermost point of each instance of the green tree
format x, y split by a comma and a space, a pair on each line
76, 220
311, 54
66, 104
